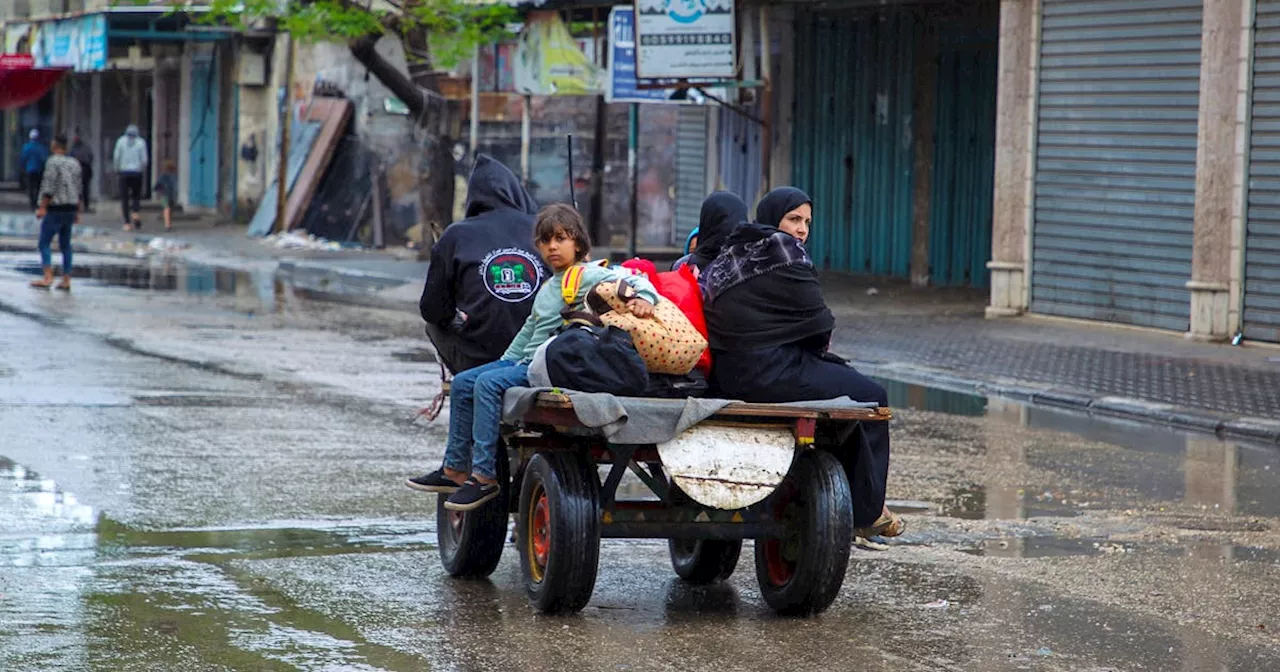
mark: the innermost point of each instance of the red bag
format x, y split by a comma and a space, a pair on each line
682, 289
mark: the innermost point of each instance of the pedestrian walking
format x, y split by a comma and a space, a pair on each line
130, 160
34, 154
59, 209
82, 152
167, 188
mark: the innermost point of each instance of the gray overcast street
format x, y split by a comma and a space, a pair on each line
211, 477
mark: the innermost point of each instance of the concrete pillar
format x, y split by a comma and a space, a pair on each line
1220, 169
1015, 156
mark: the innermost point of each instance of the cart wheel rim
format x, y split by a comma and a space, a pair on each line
782, 555
539, 534
456, 519
780, 570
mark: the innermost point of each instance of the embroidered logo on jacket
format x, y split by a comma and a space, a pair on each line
511, 274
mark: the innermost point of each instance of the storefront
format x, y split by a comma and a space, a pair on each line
893, 137
1115, 161
1261, 314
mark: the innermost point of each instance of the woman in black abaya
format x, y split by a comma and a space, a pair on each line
769, 328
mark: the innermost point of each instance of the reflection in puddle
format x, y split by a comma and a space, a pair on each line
921, 398
254, 291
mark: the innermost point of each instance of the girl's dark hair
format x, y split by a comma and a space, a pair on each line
563, 217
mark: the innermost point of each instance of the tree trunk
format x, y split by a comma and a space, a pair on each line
431, 112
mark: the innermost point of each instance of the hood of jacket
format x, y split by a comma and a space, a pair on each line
493, 186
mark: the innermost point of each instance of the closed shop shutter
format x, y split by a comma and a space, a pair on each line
740, 153
1116, 160
691, 170
1262, 238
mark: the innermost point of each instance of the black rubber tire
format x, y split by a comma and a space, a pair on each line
572, 490
809, 566
703, 561
471, 543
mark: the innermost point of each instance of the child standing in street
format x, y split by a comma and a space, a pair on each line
469, 475
167, 188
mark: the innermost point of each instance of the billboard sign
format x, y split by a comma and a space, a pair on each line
685, 39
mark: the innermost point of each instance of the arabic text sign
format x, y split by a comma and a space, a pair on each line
685, 39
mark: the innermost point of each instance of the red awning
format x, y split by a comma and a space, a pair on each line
21, 84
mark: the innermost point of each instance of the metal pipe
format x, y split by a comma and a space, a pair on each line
282, 187
526, 131
633, 139
766, 102
235, 153
475, 101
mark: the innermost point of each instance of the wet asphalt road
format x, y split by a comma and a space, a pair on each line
206, 473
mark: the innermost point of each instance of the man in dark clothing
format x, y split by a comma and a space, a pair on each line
484, 271
34, 154
80, 151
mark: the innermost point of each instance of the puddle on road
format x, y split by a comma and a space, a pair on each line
921, 398
159, 597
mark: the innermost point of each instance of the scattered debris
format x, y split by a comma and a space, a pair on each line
937, 604
1110, 548
160, 244
298, 240
872, 291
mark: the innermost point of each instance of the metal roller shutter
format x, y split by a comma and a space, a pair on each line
691, 170
1262, 229
1116, 160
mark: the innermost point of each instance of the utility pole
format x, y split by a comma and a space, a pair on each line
282, 180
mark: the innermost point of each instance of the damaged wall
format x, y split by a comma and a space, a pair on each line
391, 137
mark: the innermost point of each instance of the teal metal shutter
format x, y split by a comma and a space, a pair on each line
852, 142
1262, 228
1116, 160
691, 170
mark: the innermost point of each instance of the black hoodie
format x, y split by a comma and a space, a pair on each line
486, 265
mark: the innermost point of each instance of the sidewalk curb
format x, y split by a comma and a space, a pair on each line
1205, 421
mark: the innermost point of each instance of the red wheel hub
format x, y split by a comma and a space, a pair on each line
539, 534
782, 555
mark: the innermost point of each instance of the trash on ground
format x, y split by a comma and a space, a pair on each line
937, 604
298, 240
160, 244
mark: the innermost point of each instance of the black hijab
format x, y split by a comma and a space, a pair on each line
776, 298
777, 203
721, 212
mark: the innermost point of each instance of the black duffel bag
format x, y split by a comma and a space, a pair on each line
596, 359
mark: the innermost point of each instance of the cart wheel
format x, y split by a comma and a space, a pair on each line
802, 573
703, 561
558, 531
471, 542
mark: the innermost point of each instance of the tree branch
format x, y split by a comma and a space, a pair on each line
415, 97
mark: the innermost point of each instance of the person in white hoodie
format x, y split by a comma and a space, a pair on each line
130, 159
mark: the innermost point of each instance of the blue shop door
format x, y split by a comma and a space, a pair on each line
202, 185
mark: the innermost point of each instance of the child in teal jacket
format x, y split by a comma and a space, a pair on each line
469, 475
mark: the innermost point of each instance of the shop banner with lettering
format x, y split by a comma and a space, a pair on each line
79, 43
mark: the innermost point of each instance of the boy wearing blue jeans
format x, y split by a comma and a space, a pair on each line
469, 475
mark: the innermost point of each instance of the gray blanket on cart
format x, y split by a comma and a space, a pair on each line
641, 420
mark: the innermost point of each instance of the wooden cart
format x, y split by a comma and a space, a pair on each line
767, 472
